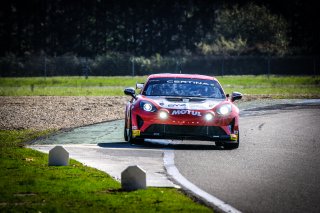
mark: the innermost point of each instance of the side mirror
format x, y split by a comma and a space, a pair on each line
236, 96
130, 91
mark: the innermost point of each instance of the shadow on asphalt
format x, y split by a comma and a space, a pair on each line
277, 108
149, 145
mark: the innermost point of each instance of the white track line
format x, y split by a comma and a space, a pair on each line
172, 170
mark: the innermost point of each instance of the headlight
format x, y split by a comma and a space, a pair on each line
163, 115
224, 109
147, 106
208, 116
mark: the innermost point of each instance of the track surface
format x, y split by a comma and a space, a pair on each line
275, 169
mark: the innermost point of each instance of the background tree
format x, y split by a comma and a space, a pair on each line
250, 29
146, 27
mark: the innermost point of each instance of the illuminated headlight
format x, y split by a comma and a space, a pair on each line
147, 106
163, 115
224, 109
208, 116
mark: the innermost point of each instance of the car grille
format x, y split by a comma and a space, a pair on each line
185, 130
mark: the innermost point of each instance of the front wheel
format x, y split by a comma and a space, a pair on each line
134, 140
125, 135
218, 143
232, 145
131, 139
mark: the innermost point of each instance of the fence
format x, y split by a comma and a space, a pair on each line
121, 65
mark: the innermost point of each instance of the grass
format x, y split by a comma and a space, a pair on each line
71, 81
28, 184
273, 86
67, 86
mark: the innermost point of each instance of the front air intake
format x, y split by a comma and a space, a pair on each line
139, 121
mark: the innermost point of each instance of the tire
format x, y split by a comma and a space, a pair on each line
230, 146
219, 143
138, 141
131, 139
125, 135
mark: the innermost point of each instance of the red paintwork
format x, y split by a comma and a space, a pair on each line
192, 76
133, 108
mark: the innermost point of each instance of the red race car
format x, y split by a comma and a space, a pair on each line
181, 106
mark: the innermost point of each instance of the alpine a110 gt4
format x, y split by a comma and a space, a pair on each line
182, 106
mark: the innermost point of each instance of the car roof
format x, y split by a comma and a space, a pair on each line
173, 75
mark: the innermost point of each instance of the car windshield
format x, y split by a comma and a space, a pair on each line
183, 87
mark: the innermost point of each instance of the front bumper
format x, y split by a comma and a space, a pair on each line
149, 125
163, 131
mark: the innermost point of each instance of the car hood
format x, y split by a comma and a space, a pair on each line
192, 103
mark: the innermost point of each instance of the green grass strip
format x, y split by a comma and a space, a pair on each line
28, 184
272, 86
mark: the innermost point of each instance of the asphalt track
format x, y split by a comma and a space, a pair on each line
275, 169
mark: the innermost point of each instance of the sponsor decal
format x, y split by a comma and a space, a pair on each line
188, 82
134, 127
135, 133
206, 105
233, 137
177, 105
186, 112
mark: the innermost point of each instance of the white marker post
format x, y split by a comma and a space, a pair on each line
133, 178
58, 156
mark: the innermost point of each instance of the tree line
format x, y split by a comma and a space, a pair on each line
88, 28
